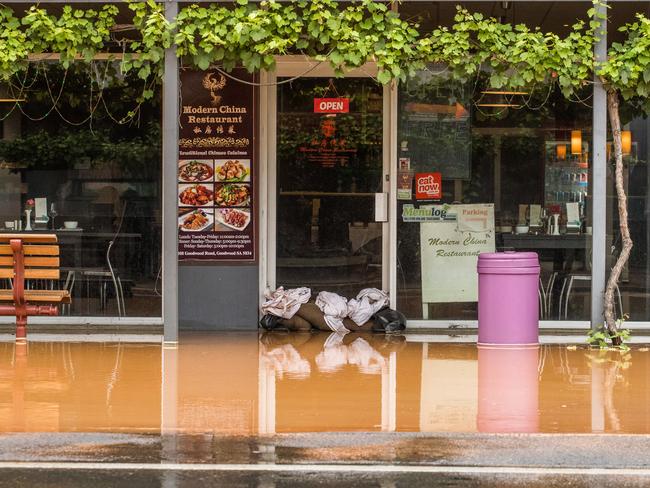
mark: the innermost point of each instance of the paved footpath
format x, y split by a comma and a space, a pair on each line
356, 460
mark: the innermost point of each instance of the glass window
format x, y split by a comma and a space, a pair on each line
520, 162
514, 172
81, 158
633, 296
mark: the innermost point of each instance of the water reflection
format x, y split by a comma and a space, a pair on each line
239, 383
508, 389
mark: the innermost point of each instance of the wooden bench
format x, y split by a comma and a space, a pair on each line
29, 257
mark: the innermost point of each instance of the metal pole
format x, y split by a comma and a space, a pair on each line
170, 106
599, 187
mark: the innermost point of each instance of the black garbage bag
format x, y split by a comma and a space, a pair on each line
388, 321
270, 322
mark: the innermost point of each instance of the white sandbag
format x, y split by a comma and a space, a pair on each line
335, 309
368, 302
285, 303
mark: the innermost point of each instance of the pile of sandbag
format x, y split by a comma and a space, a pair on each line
293, 309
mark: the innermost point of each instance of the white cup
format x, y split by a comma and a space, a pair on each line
9, 224
588, 230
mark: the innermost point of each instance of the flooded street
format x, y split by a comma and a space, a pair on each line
245, 384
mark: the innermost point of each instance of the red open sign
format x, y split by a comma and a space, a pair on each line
331, 105
428, 186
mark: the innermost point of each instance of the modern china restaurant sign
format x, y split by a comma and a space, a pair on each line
216, 218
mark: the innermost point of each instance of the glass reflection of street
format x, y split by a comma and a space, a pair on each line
248, 384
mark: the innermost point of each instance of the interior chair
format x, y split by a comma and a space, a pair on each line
573, 278
109, 274
568, 284
68, 285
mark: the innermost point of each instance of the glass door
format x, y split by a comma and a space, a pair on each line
329, 170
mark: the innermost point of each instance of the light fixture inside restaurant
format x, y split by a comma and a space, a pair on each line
560, 151
626, 142
576, 142
11, 100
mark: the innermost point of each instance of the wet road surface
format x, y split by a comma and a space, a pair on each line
321, 401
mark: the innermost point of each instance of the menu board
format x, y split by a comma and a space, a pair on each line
216, 218
451, 239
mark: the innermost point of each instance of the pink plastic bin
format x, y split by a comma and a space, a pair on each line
508, 298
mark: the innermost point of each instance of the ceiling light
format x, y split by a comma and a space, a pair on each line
626, 142
576, 142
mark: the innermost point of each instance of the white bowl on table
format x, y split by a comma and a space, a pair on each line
70, 224
522, 229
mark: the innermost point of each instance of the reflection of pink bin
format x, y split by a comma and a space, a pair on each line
508, 389
508, 306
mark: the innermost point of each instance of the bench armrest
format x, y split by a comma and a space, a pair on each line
19, 271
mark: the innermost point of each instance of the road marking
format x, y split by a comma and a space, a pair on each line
326, 468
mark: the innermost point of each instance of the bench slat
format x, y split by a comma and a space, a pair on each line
33, 273
29, 238
44, 296
32, 250
30, 261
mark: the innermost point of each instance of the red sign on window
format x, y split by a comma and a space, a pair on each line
428, 186
331, 105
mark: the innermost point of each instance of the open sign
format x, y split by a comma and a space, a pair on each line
331, 105
428, 186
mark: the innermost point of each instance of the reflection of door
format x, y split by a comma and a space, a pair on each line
329, 166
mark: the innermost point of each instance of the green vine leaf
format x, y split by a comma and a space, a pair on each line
346, 36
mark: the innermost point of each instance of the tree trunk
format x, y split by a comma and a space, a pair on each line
615, 123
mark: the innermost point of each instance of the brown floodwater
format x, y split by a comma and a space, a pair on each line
242, 383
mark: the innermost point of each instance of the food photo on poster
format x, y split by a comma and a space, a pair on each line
232, 170
197, 195
232, 195
196, 220
195, 171
232, 219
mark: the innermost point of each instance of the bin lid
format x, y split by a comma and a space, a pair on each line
508, 259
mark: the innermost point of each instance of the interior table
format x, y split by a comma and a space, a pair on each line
73, 239
545, 241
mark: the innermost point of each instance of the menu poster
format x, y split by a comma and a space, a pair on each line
450, 247
216, 218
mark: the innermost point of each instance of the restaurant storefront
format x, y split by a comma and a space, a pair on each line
297, 177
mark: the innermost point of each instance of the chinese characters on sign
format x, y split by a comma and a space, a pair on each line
329, 149
215, 167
